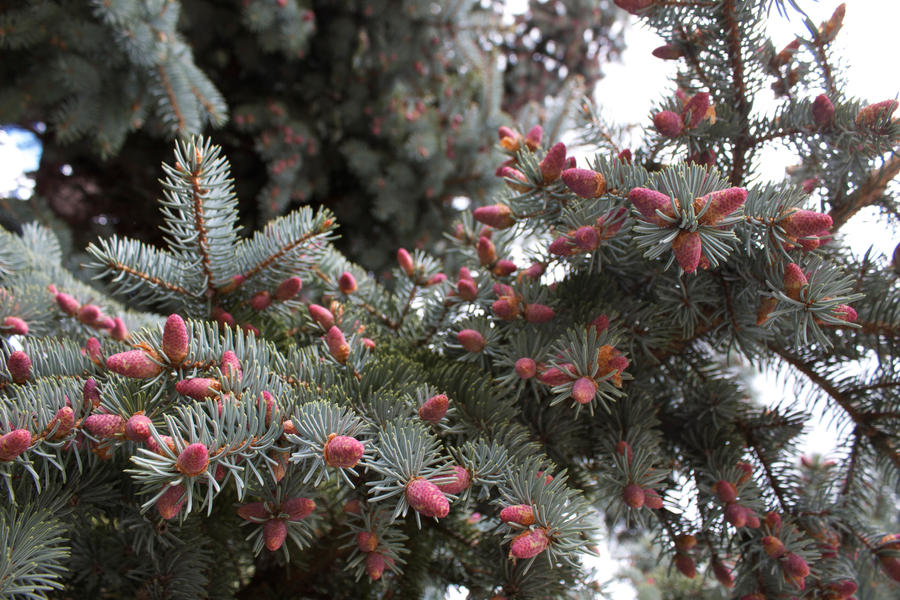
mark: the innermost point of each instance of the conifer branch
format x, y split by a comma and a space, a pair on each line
741, 104
868, 193
173, 100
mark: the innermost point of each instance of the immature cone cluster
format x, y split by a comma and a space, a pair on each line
687, 246
683, 561
427, 499
806, 228
735, 513
587, 238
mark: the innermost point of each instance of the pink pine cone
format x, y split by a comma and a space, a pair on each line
522, 514
870, 115
736, 515
406, 262
538, 313
137, 428
687, 249
526, 368
585, 183
274, 534
648, 201
366, 541
288, 288
374, 566
498, 216
583, 390
822, 110
722, 204
795, 566
261, 301
337, 344
347, 283
794, 281
697, 107
487, 254
298, 508
231, 366
14, 443
119, 330
587, 238
553, 163
343, 451
193, 460
198, 388
563, 246
845, 312
133, 363
773, 546
804, 223
90, 314
255, 512
633, 495
633, 6
171, 502
652, 499
322, 316
506, 308
427, 499
725, 490
15, 325
93, 350
19, 366
668, 52
668, 123
529, 544
104, 426
64, 421
67, 304
175, 339
462, 482
434, 409
534, 136
471, 340
467, 290
90, 393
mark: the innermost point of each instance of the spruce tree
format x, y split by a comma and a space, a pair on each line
251, 416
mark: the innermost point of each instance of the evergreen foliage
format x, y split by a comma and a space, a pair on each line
235, 416
368, 107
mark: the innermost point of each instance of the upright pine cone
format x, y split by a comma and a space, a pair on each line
427, 499
343, 451
529, 543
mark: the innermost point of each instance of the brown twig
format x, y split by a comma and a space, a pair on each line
867, 193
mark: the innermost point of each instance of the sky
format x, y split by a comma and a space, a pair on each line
867, 46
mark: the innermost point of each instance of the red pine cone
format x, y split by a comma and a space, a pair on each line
498, 216
668, 123
19, 366
553, 163
322, 316
462, 481
198, 388
137, 428
426, 498
347, 283
648, 201
585, 183
584, 390
634, 6
668, 52
794, 281
736, 515
15, 325
822, 110
722, 204
337, 345
652, 499
687, 249
525, 368
171, 501
869, 116
533, 137
298, 508
633, 495
255, 511
697, 107
467, 290
794, 566
367, 541
274, 534
538, 313
723, 574
522, 514
529, 544
134, 363
193, 460
623, 448
374, 566
504, 268
14, 443
685, 542
64, 421
506, 308
406, 262
686, 565
805, 223
287, 289
104, 426
725, 490
434, 409
67, 304
471, 340
487, 255
261, 301
90, 394
773, 546
230, 365
343, 451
